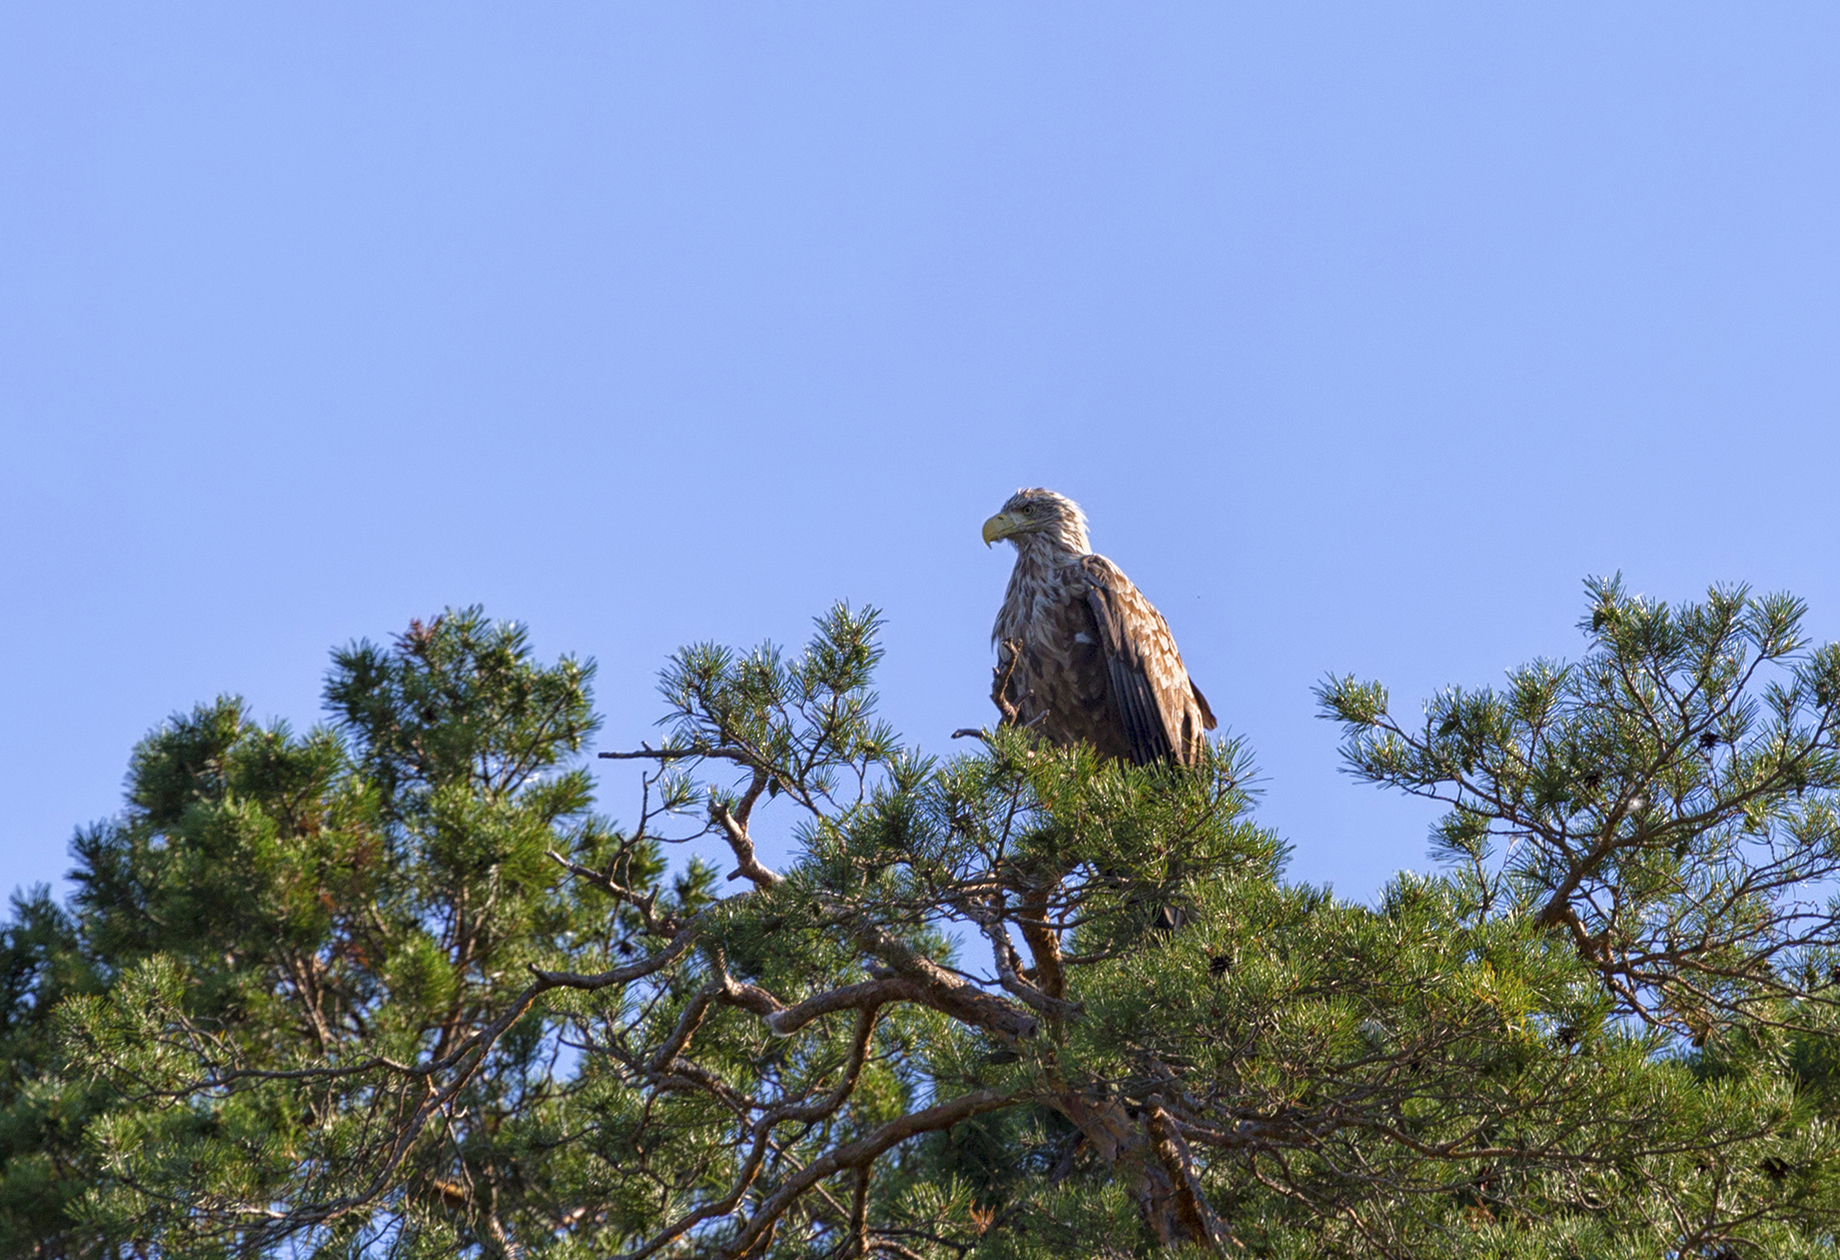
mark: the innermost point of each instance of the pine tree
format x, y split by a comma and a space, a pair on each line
392, 987
44, 1167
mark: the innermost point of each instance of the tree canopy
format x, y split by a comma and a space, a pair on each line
394, 987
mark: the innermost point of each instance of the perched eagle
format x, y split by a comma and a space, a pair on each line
1084, 657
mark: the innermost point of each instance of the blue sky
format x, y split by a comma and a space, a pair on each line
1363, 333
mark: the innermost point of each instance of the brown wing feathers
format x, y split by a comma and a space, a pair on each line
1132, 689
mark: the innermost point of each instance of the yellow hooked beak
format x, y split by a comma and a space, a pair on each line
999, 527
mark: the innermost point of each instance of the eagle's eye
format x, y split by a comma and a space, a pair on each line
1028, 509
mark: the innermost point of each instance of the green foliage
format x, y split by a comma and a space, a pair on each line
392, 988
1667, 800
271, 905
42, 963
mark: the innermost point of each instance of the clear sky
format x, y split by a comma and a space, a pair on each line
1362, 332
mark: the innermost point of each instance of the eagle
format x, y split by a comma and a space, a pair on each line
1082, 656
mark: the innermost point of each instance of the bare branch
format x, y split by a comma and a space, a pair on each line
866, 996
860, 1153
996, 931
941, 990
686, 936
736, 833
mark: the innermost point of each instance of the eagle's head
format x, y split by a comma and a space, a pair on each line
1036, 517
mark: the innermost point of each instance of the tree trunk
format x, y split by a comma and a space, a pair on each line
1143, 1147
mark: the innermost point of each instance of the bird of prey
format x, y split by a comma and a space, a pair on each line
1082, 656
